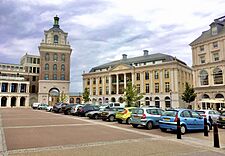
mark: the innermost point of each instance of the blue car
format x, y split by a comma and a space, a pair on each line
189, 120
147, 117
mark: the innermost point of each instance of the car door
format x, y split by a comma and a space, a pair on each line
186, 118
154, 116
198, 120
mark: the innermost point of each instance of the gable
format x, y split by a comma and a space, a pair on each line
120, 67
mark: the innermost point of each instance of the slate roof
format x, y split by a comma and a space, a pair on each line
206, 35
140, 59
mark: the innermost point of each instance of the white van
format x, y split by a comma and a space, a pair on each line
35, 105
116, 104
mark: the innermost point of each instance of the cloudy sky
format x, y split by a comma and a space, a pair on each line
102, 30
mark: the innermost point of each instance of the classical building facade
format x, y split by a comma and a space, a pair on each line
161, 78
208, 54
38, 78
55, 54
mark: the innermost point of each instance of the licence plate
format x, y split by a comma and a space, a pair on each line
166, 119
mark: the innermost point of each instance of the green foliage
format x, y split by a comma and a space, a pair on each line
131, 95
63, 97
189, 94
86, 95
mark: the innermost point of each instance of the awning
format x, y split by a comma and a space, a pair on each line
213, 100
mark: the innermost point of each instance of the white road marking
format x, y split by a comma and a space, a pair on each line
3, 146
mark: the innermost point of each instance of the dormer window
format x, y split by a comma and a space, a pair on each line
214, 30
202, 48
56, 38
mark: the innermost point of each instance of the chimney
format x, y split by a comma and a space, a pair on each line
124, 56
145, 52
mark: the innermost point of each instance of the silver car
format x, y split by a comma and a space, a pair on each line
212, 113
75, 108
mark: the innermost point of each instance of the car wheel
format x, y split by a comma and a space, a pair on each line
149, 125
95, 116
119, 121
111, 118
163, 129
135, 125
128, 121
183, 129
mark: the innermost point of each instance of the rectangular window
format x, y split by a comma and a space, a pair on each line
94, 81
4, 87
88, 81
46, 77
202, 59
107, 79
156, 87
38, 61
23, 88
216, 57
38, 70
94, 91
167, 87
34, 61
167, 74
100, 91
63, 77
138, 88
137, 76
34, 69
146, 75
202, 48
30, 70
100, 80
156, 75
215, 44
107, 90
146, 88
54, 77
33, 78
13, 87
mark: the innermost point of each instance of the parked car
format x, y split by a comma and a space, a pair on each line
42, 106
221, 120
57, 108
35, 105
116, 104
212, 113
49, 108
87, 108
75, 109
189, 120
146, 116
67, 109
110, 114
124, 115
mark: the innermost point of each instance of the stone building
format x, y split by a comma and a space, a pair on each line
161, 78
208, 54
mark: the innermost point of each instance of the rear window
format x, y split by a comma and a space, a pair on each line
137, 111
201, 112
170, 113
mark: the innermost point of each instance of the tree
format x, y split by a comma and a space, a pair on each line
86, 95
131, 95
63, 97
189, 94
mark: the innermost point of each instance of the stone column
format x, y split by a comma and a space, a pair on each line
210, 76
97, 93
151, 82
176, 80
8, 104
9, 87
117, 84
172, 79
27, 101
27, 88
18, 89
161, 81
110, 84
103, 85
90, 87
125, 80
18, 102
133, 78
142, 82
0, 102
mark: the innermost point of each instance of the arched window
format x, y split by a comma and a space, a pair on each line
47, 57
167, 102
55, 67
147, 101
55, 58
63, 57
157, 102
56, 38
204, 79
46, 66
218, 76
62, 67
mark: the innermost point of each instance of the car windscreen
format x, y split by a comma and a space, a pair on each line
171, 113
223, 113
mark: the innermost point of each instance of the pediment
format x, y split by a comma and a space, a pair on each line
121, 67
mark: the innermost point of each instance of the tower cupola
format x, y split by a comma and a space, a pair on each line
56, 22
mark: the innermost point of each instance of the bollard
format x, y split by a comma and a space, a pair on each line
205, 127
178, 129
211, 122
216, 136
